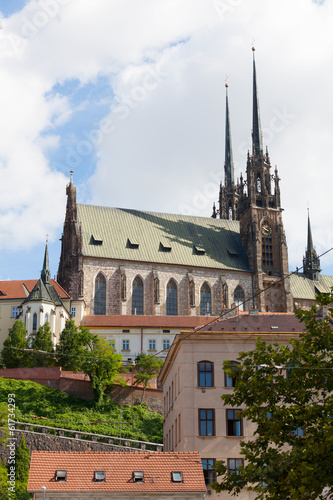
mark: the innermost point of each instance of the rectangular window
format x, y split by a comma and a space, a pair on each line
179, 428
152, 345
206, 422
234, 423
176, 431
207, 465
166, 331
205, 374
230, 381
126, 331
234, 464
112, 343
73, 312
126, 345
15, 311
166, 344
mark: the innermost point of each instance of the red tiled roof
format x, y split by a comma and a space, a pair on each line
146, 321
17, 289
118, 467
261, 322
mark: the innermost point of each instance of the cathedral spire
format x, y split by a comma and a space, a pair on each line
228, 160
311, 262
45, 274
310, 242
256, 126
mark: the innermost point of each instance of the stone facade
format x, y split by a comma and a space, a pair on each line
115, 305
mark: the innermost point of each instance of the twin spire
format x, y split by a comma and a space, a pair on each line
257, 147
228, 162
256, 125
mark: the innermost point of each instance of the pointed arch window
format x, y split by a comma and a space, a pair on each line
172, 299
156, 290
100, 295
267, 246
230, 214
137, 296
258, 183
205, 300
34, 322
46, 318
239, 298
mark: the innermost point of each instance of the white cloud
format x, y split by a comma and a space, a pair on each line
166, 62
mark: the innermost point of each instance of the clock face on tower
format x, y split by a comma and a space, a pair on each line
266, 229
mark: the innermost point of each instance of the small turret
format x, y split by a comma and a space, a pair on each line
311, 262
45, 274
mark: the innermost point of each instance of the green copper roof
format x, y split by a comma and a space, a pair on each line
44, 292
305, 288
161, 238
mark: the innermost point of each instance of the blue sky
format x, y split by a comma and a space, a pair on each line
130, 94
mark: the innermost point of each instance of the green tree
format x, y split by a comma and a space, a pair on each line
73, 346
90, 354
287, 391
43, 342
103, 366
147, 367
10, 358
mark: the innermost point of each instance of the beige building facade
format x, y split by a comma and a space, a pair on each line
193, 379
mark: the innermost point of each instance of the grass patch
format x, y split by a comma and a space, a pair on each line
69, 412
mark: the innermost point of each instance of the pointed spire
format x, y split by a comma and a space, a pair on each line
311, 262
310, 242
256, 126
228, 159
45, 274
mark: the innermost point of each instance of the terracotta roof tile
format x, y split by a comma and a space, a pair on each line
146, 321
118, 467
18, 289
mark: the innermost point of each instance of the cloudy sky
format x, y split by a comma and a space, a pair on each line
130, 95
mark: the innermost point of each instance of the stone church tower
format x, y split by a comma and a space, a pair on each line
70, 274
255, 203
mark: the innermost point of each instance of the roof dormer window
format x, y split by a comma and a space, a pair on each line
177, 477
61, 475
99, 475
138, 476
